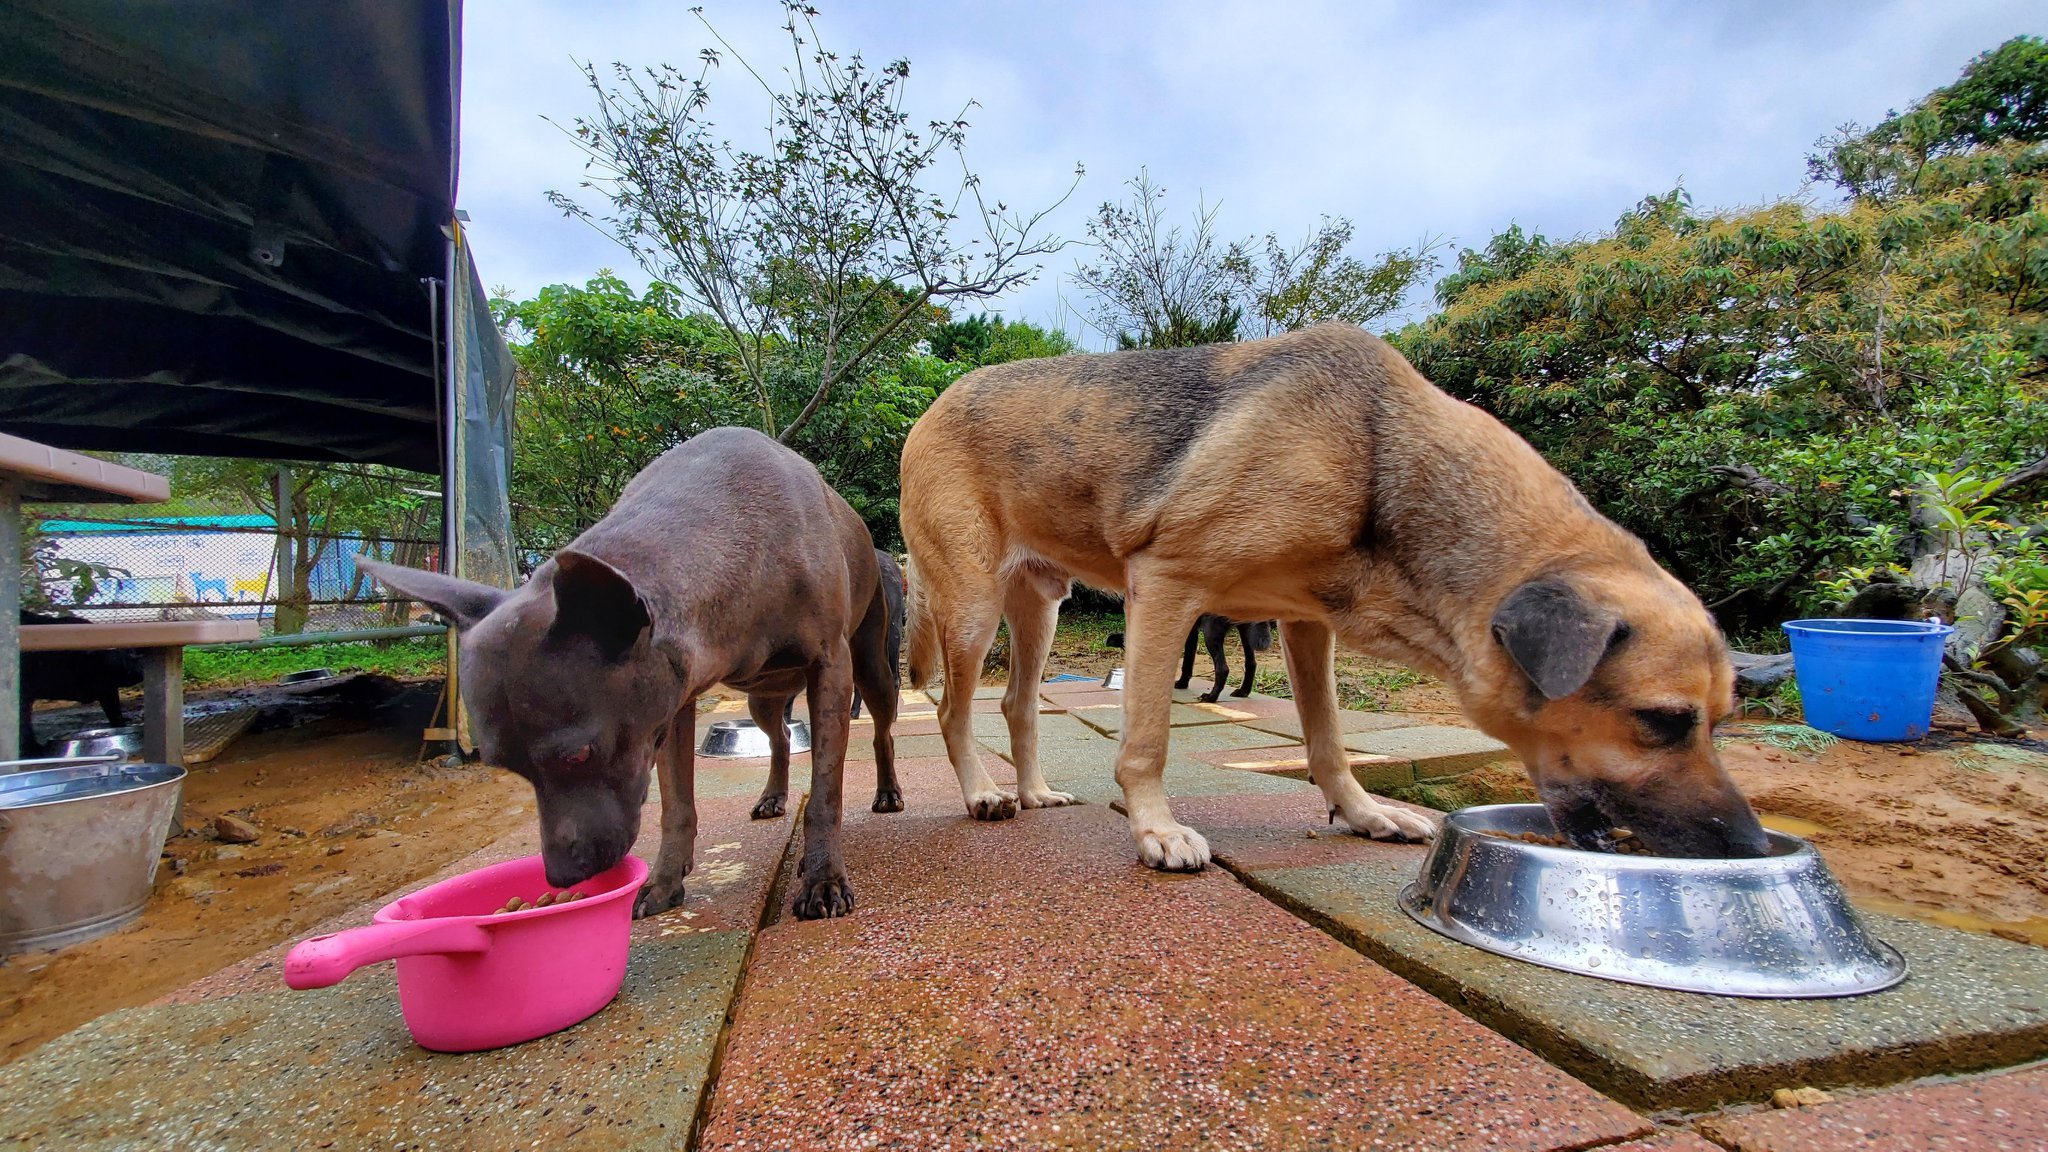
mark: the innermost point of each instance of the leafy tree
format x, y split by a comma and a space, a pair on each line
1315, 282
1153, 282
312, 504
819, 255
984, 339
608, 381
2002, 96
1156, 285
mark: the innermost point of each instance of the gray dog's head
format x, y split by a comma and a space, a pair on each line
568, 690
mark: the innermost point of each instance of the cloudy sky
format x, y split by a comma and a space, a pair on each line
1448, 120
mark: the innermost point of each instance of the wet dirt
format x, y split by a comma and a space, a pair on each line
344, 814
1954, 832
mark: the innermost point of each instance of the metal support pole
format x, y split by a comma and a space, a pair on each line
11, 706
163, 712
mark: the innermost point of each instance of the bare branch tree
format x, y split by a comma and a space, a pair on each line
817, 249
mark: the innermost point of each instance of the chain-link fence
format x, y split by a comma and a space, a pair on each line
226, 567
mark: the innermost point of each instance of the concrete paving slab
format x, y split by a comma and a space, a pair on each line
1374, 773
1288, 723
1027, 984
235, 1061
1254, 706
1669, 1140
1435, 750
336, 1067
2001, 1113
1208, 738
1973, 1002
1110, 721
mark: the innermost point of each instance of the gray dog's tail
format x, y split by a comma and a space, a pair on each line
920, 629
1262, 635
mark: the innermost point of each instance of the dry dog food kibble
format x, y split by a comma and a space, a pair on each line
1622, 840
515, 904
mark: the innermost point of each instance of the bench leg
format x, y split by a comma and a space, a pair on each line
163, 713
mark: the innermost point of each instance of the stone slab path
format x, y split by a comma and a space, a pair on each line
1028, 985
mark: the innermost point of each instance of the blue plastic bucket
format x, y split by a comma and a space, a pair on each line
1870, 680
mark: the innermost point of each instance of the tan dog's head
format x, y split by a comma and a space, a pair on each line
1608, 684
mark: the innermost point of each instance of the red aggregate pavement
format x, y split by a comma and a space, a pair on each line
2002, 1113
1027, 984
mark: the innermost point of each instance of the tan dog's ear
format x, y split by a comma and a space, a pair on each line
595, 600
1554, 636
463, 601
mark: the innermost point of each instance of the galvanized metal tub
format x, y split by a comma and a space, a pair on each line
1777, 926
124, 742
742, 738
79, 847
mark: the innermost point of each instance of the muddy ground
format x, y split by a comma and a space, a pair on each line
344, 814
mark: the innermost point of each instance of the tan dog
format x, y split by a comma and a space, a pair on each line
1318, 479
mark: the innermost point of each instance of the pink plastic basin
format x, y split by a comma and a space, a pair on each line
468, 979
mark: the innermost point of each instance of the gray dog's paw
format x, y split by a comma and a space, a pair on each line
992, 806
656, 898
769, 807
824, 898
888, 800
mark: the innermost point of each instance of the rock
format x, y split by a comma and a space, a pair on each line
1798, 1097
228, 852
194, 888
270, 869
451, 760
1758, 676
235, 830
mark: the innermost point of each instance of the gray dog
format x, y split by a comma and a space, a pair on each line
727, 561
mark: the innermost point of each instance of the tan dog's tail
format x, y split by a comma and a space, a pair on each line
922, 630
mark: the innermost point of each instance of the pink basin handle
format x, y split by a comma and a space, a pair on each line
324, 960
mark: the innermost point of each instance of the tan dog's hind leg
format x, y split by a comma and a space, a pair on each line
1033, 610
1157, 615
1309, 648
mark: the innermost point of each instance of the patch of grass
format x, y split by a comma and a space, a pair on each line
1783, 702
1274, 684
1790, 737
1494, 784
1374, 691
234, 667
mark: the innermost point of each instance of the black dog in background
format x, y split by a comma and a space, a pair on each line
82, 677
1212, 630
893, 588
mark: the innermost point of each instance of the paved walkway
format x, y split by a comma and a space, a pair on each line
1028, 985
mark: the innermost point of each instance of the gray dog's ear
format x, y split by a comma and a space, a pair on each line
463, 601
595, 600
1554, 636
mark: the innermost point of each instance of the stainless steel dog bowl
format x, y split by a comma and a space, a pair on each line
1774, 927
124, 742
78, 849
306, 677
743, 738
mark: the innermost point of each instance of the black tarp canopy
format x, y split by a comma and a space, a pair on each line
216, 220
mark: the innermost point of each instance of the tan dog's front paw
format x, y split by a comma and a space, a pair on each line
992, 806
1389, 822
1046, 798
1173, 848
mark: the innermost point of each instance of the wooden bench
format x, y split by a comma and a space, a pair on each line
162, 645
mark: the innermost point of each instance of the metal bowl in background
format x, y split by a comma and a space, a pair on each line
1774, 927
79, 847
307, 676
738, 738
124, 742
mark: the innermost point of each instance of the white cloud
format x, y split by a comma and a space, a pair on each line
1410, 119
